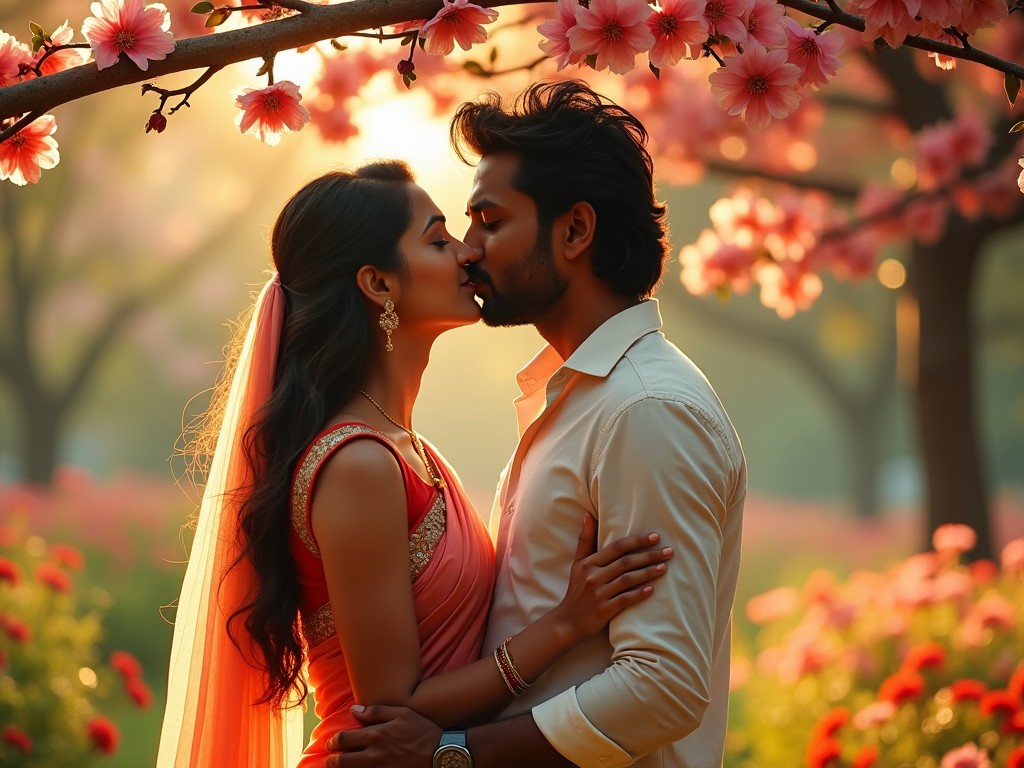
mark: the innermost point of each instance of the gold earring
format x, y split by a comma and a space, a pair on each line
389, 322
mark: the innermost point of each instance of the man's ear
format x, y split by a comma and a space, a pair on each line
378, 286
575, 229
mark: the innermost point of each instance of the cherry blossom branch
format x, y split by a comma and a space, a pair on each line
13, 128
185, 92
37, 68
836, 15
478, 70
316, 23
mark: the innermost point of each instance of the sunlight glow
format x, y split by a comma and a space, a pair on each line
733, 148
303, 69
802, 155
892, 274
903, 173
87, 677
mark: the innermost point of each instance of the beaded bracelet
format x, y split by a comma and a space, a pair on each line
507, 668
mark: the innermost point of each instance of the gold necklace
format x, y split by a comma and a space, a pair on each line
416, 443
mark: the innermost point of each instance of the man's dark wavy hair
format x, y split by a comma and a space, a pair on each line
575, 145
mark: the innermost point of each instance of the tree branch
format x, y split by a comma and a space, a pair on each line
834, 15
319, 22
840, 190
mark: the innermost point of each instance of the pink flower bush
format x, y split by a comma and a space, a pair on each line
946, 689
614, 31
13, 55
459, 21
758, 84
127, 26
679, 28
817, 55
269, 112
31, 150
967, 756
556, 35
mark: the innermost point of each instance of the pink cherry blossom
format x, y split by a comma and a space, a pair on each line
61, 60
942, 61
615, 30
126, 26
758, 85
726, 19
978, 14
709, 264
28, 152
878, 713
941, 13
816, 55
763, 20
967, 756
555, 32
459, 21
268, 112
925, 219
954, 539
679, 27
12, 56
335, 124
787, 287
892, 20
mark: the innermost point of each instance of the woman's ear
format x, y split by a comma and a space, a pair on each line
378, 286
576, 229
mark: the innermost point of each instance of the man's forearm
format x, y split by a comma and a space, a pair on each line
513, 744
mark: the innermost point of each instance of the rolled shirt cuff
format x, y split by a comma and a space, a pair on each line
566, 728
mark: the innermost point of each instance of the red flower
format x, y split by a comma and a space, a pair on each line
822, 752
1016, 685
29, 152
17, 738
983, 571
103, 734
866, 757
998, 703
15, 629
9, 571
1014, 723
924, 655
139, 692
1016, 758
53, 577
269, 112
69, 557
126, 664
967, 690
900, 687
832, 721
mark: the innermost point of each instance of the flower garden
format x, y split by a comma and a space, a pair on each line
916, 662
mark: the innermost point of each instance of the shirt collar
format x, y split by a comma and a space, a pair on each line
599, 352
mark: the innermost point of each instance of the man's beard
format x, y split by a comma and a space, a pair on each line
530, 290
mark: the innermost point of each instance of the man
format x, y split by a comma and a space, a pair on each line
614, 421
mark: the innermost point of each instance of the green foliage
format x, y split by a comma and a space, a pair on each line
54, 685
887, 669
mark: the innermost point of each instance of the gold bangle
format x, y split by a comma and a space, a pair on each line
509, 674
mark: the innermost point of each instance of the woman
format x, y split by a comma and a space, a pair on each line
330, 535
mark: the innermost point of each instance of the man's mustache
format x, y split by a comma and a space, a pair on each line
477, 275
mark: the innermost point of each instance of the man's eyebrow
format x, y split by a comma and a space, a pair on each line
479, 205
433, 220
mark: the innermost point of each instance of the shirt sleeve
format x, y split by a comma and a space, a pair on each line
661, 464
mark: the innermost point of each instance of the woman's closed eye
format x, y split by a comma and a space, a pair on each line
442, 243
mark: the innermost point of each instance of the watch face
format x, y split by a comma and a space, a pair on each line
452, 757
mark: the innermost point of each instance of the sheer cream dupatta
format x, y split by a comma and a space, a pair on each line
210, 720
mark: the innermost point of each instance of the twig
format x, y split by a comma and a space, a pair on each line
836, 15
37, 68
185, 92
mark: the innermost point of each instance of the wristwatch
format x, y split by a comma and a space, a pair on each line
452, 751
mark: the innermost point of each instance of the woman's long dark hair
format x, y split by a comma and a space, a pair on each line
325, 233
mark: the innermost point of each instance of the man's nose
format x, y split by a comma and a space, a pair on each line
468, 255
